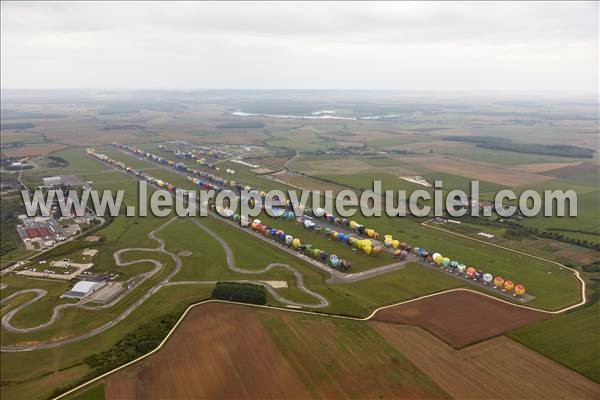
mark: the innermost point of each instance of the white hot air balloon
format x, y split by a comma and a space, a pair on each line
289, 239
487, 278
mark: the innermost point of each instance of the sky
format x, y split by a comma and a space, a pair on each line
528, 46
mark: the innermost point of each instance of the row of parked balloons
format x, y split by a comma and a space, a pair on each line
332, 260
366, 246
198, 156
470, 272
198, 177
295, 243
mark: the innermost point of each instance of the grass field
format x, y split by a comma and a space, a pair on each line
96, 392
572, 339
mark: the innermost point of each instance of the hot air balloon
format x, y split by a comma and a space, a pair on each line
461, 268
353, 224
323, 255
437, 258
487, 278
445, 261
454, 264
387, 241
377, 250
509, 286
471, 271
296, 243
519, 290
334, 260
289, 239
499, 281
395, 244
367, 249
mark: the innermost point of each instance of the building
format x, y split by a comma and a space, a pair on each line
83, 289
44, 228
52, 180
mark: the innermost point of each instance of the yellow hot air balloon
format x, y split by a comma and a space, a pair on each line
353, 224
388, 241
509, 286
370, 233
520, 290
498, 281
296, 243
368, 249
395, 244
438, 258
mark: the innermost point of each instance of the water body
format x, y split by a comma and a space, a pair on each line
323, 114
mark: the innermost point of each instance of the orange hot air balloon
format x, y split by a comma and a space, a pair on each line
499, 281
509, 286
520, 290
471, 271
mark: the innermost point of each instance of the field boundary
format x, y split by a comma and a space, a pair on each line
575, 272
313, 313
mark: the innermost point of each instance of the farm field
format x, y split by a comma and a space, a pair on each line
344, 360
571, 339
494, 362
461, 318
357, 356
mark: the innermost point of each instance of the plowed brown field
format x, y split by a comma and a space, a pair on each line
235, 352
220, 351
499, 368
461, 317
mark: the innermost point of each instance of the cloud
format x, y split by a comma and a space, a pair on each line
447, 45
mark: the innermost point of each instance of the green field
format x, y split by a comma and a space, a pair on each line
572, 339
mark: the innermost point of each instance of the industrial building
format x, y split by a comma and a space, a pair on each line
83, 289
41, 228
52, 180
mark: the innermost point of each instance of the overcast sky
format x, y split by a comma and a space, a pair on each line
431, 46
